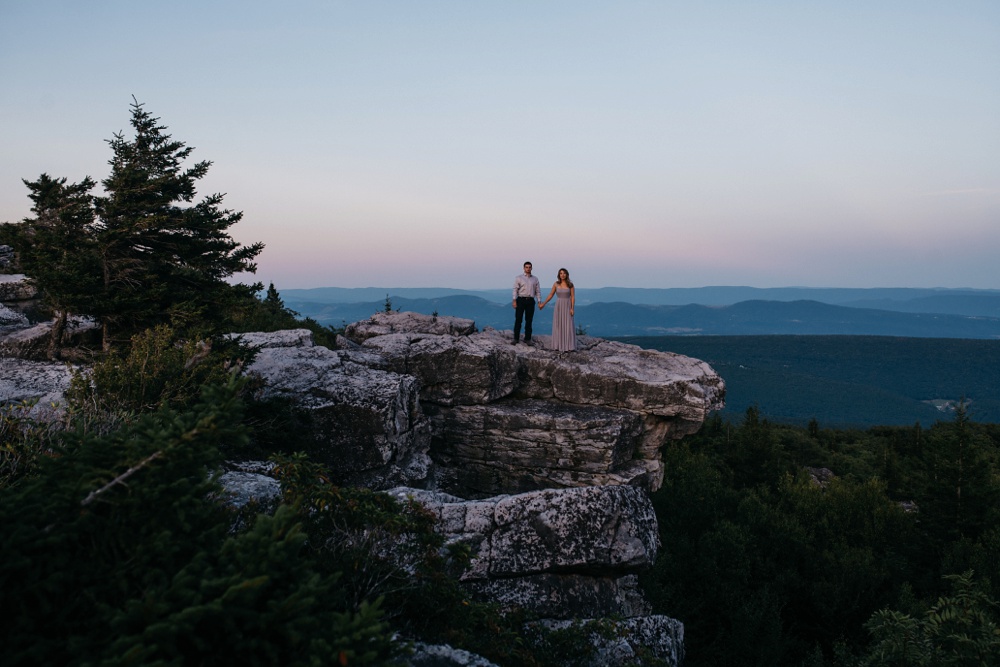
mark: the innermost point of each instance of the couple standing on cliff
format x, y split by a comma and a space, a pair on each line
527, 291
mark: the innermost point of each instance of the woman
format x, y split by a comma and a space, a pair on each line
563, 329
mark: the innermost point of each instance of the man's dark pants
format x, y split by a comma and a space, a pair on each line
525, 310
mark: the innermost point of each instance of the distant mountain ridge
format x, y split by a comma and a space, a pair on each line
750, 317
906, 299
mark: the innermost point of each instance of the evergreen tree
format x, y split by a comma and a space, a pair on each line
58, 249
959, 629
272, 301
163, 259
142, 254
961, 489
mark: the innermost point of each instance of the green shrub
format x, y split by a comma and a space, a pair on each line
114, 554
961, 628
158, 369
24, 441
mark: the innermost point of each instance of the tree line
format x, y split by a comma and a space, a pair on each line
803, 546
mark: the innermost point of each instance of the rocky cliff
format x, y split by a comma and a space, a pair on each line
540, 461
418, 400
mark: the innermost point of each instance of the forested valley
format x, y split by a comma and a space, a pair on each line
787, 545
848, 381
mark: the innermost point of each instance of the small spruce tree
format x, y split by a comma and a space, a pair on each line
58, 248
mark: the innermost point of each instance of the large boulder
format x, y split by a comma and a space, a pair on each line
367, 426
16, 287
617, 375
11, 319
631, 641
466, 369
563, 553
602, 530
569, 556
442, 655
31, 341
37, 384
245, 482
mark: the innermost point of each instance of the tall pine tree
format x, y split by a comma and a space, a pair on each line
143, 253
164, 259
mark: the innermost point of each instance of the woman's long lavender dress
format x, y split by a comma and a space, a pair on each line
563, 329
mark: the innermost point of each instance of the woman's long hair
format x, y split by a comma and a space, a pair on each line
568, 281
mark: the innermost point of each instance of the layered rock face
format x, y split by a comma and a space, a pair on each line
540, 461
568, 555
564, 553
511, 418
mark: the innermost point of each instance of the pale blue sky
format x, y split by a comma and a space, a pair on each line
648, 144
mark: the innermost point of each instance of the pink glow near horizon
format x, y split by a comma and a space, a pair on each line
638, 144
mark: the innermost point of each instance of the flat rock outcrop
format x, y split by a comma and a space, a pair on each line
407, 390
512, 418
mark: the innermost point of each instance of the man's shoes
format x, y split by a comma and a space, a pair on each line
514, 342
527, 341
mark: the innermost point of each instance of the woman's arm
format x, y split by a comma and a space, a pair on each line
572, 299
548, 297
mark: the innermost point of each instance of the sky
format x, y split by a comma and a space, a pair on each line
638, 144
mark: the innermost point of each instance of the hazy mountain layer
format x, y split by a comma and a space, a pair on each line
756, 317
906, 299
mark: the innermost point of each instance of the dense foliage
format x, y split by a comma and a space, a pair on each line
766, 566
114, 554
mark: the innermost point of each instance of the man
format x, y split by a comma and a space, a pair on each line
526, 292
